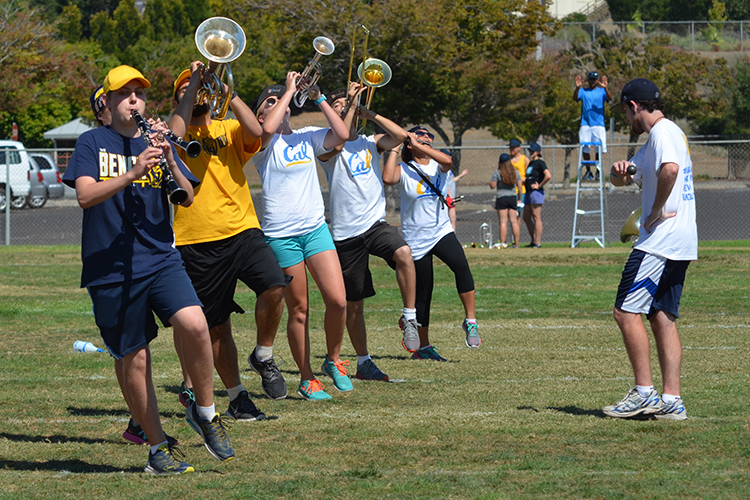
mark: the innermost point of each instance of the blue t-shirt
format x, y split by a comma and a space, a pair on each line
130, 235
592, 112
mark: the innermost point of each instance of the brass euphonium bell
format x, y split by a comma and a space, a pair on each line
376, 73
221, 41
631, 230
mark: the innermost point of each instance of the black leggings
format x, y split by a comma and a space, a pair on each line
449, 250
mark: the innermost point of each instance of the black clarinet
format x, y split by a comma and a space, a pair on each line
175, 193
192, 148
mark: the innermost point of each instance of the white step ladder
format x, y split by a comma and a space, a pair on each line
588, 232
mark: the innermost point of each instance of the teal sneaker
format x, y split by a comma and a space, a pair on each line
313, 390
213, 433
338, 373
186, 395
672, 411
472, 334
167, 460
429, 352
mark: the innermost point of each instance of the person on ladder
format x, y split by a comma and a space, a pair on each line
592, 128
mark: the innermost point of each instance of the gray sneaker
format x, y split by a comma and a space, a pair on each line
213, 433
672, 411
272, 381
244, 410
634, 404
411, 334
472, 334
369, 371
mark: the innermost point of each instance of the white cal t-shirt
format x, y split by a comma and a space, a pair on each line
356, 185
424, 220
292, 200
675, 238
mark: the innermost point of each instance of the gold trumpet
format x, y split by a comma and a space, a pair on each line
221, 41
309, 77
631, 230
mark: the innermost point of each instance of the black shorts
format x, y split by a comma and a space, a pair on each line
381, 240
506, 203
215, 266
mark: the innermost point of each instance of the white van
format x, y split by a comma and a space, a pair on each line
15, 154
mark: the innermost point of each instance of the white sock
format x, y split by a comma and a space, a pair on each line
156, 447
471, 320
425, 347
669, 398
262, 353
361, 359
643, 390
234, 392
410, 314
206, 412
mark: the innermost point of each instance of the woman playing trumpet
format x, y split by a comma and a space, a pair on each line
295, 227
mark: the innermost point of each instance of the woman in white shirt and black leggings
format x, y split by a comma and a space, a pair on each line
422, 182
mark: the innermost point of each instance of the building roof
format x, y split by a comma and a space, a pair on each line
71, 130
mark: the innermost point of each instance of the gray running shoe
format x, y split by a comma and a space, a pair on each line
633, 404
272, 381
369, 371
411, 334
672, 411
213, 433
244, 410
472, 334
167, 460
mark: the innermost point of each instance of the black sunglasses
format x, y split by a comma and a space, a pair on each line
424, 133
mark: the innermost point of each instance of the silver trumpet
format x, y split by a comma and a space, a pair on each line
175, 193
309, 77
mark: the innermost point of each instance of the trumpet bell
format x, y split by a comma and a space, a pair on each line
220, 40
631, 230
376, 73
323, 46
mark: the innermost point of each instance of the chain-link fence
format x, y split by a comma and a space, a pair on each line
694, 36
721, 170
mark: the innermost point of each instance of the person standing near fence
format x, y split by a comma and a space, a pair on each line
655, 272
507, 183
537, 175
131, 269
592, 128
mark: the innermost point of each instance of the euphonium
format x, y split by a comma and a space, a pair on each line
631, 230
221, 41
373, 73
309, 77
175, 193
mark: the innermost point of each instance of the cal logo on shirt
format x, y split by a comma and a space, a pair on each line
423, 190
296, 155
359, 165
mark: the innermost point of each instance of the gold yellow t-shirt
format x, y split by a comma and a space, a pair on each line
223, 206
520, 165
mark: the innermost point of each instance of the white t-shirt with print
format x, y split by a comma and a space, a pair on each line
356, 185
292, 200
675, 238
424, 220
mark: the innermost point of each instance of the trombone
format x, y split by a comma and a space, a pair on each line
309, 77
221, 41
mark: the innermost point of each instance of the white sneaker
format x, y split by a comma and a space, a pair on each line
634, 404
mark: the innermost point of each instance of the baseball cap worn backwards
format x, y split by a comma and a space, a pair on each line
121, 75
270, 91
96, 100
638, 90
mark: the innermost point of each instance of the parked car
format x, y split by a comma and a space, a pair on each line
45, 179
14, 155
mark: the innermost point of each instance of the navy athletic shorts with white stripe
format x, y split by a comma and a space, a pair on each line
651, 283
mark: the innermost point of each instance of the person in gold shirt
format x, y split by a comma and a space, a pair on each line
220, 240
520, 162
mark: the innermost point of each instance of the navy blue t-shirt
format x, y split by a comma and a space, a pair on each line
130, 235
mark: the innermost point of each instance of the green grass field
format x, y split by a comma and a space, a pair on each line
518, 418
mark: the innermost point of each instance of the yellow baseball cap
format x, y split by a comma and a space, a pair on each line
121, 75
185, 75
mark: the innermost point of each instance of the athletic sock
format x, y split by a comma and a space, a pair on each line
155, 448
471, 320
410, 314
669, 398
262, 353
234, 392
643, 390
206, 412
361, 359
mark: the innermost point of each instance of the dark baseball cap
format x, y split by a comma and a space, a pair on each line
96, 101
503, 158
638, 90
514, 143
533, 147
593, 75
336, 95
270, 91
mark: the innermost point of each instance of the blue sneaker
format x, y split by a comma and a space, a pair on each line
369, 371
313, 390
634, 404
167, 460
338, 373
429, 352
213, 433
672, 411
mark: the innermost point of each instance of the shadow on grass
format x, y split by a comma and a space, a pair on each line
574, 410
75, 466
99, 412
56, 439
